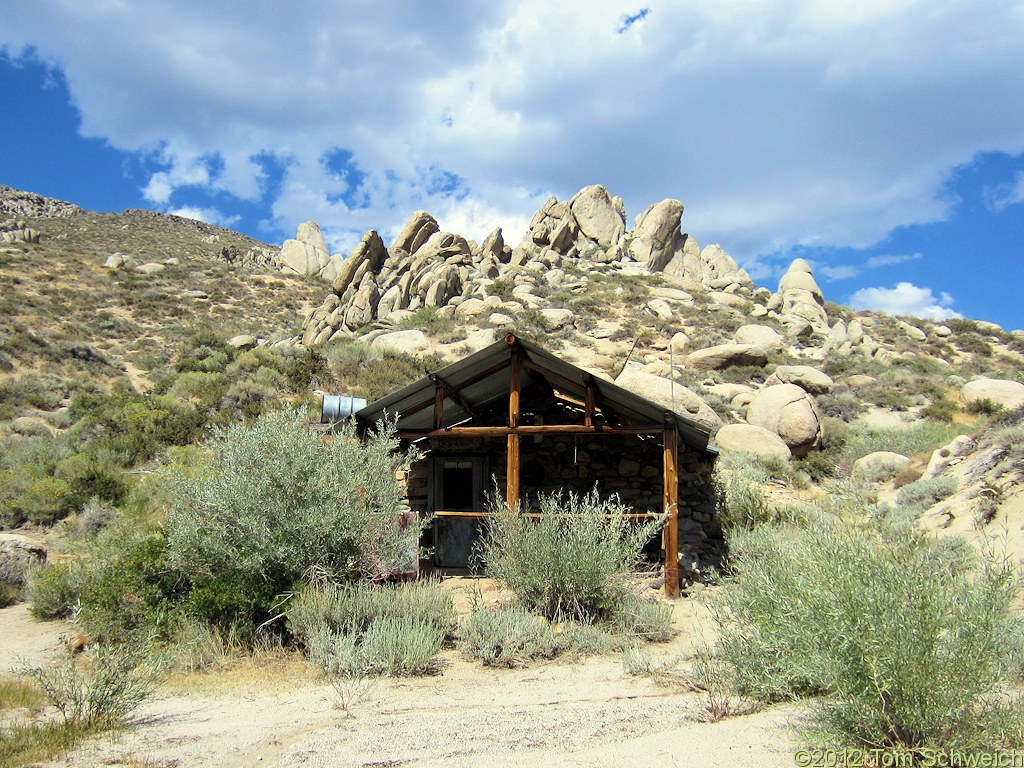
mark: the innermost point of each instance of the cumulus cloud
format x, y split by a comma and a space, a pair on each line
207, 215
905, 299
794, 122
840, 272
1002, 197
833, 272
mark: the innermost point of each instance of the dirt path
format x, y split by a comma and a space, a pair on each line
585, 712
25, 642
582, 714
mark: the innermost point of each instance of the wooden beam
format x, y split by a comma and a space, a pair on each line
438, 406
512, 469
534, 429
590, 403
670, 533
428, 402
480, 514
459, 400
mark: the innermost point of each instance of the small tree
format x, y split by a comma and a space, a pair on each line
276, 499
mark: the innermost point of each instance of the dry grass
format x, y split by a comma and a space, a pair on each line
65, 318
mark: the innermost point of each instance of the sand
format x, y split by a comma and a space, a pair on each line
576, 712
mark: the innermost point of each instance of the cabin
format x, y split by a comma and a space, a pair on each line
513, 420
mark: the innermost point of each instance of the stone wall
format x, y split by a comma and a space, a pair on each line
628, 465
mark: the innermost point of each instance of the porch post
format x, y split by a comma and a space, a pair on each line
512, 470
670, 533
438, 406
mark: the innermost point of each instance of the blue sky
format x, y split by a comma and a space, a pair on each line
882, 140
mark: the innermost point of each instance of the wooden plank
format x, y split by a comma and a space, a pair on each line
463, 513
534, 429
670, 533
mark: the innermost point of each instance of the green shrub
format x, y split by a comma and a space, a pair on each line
53, 590
984, 407
275, 500
923, 494
102, 693
353, 630
910, 440
911, 640
568, 562
126, 589
354, 607
740, 479
942, 409
394, 647
10, 593
507, 637
818, 466
643, 619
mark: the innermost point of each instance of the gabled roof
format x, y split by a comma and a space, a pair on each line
482, 379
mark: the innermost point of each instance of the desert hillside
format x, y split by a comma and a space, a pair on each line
157, 376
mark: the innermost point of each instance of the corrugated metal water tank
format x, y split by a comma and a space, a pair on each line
337, 408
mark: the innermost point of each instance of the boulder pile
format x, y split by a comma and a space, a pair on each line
426, 267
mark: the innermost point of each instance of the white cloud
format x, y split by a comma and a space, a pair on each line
905, 299
833, 272
890, 259
1006, 195
207, 215
841, 272
813, 122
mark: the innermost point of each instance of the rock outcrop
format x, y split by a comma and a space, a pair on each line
799, 301
790, 413
806, 377
426, 267
1001, 392
671, 395
306, 254
750, 438
727, 356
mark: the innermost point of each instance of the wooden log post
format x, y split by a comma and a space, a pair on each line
512, 471
670, 533
438, 406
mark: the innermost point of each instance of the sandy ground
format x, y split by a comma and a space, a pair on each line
583, 712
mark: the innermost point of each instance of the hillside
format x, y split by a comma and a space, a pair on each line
101, 302
63, 314
193, 528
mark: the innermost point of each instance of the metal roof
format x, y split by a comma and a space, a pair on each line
482, 379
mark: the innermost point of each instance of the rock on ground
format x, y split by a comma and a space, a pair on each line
750, 438
789, 412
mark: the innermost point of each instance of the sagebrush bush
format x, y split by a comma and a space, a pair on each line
10, 593
354, 607
507, 637
911, 639
53, 590
569, 561
740, 479
360, 629
111, 683
922, 494
275, 500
